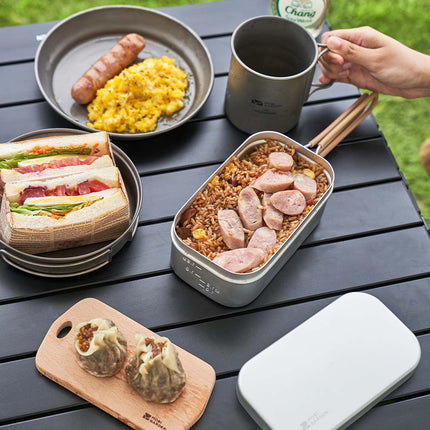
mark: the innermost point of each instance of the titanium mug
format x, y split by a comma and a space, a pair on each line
272, 65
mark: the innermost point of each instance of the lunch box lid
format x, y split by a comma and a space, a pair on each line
331, 369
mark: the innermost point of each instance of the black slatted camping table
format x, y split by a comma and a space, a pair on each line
371, 238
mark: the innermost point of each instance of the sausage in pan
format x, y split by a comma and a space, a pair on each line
106, 67
290, 202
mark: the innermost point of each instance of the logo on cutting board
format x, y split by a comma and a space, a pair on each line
153, 420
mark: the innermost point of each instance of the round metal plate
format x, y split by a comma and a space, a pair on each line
77, 42
83, 259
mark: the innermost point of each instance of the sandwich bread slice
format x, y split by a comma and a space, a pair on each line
53, 156
64, 212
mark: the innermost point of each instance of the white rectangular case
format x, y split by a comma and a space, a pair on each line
331, 369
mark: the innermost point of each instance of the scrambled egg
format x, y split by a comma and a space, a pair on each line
134, 100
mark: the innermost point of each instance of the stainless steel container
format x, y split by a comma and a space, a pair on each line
83, 259
239, 289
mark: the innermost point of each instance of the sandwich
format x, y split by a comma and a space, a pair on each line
64, 212
53, 156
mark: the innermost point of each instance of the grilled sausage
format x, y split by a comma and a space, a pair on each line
272, 181
290, 202
231, 228
263, 238
250, 209
281, 161
306, 185
272, 217
106, 67
240, 260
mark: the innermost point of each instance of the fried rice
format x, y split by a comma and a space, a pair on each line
198, 226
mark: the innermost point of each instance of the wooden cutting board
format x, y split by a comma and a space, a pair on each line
56, 359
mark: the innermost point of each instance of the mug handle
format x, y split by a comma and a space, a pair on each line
320, 86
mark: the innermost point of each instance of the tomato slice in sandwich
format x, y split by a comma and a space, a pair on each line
91, 187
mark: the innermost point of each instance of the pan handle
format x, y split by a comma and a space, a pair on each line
344, 124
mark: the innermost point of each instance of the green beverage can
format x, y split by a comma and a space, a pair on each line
310, 14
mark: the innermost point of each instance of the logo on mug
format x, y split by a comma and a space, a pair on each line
257, 102
261, 103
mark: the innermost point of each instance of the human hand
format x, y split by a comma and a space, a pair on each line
372, 60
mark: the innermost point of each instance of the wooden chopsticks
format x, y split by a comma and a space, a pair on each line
344, 124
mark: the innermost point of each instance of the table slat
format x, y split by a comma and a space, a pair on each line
27, 91
22, 386
396, 416
164, 301
372, 204
213, 138
359, 262
350, 163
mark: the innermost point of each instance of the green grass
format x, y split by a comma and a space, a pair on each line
16, 12
405, 123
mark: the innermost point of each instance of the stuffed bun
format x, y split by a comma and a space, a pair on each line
155, 370
101, 348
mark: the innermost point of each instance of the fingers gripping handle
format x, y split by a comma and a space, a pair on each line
316, 86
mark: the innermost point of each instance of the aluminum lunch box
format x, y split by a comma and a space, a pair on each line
84, 259
238, 289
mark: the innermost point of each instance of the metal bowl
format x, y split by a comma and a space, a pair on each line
83, 259
75, 43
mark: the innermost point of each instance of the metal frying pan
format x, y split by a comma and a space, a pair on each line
75, 43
